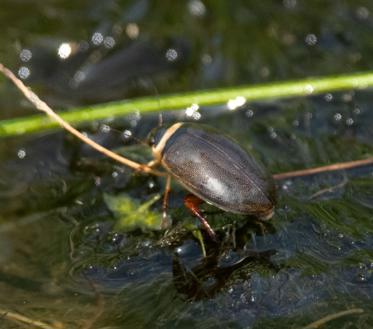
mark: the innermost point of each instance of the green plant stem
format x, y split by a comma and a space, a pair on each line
312, 86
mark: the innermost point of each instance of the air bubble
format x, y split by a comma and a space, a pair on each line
171, 55
97, 38
328, 97
296, 123
191, 110
109, 42
272, 133
24, 72
196, 8
249, 113
197, 115
127, 134
21, 153
362, 12
64, 50
105, 128
349, 122
311, 39
25, 55
338, 117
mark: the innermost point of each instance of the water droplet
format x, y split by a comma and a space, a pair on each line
233, 104
349, 122
338, 117
127, 134
197, 115
109, 42
97, 38
171, 55
196, 8
105, 128
362, 12
296, 123
191, 110
25, 55
24, 72
272, 133
328, 97
362, 277
311, 39
249, 113
64, 50
114, 174
21, 153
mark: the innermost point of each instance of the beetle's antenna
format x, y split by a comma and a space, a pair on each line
42, 106
321, 169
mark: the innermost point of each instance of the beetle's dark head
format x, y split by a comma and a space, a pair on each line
159, 136
156, 135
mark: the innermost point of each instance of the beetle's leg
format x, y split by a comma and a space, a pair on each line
165, 221
192, 202
152, 163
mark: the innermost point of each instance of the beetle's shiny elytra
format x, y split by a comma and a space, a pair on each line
215, 168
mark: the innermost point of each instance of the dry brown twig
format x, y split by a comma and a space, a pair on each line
330, 317
18, 318
42, 106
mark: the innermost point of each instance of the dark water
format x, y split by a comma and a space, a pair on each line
63, 257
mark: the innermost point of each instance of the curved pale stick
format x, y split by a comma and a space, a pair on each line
42, 106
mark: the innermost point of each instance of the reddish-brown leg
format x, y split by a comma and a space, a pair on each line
192, 202
165, 222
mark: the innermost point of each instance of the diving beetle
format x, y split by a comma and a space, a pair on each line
214, 168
